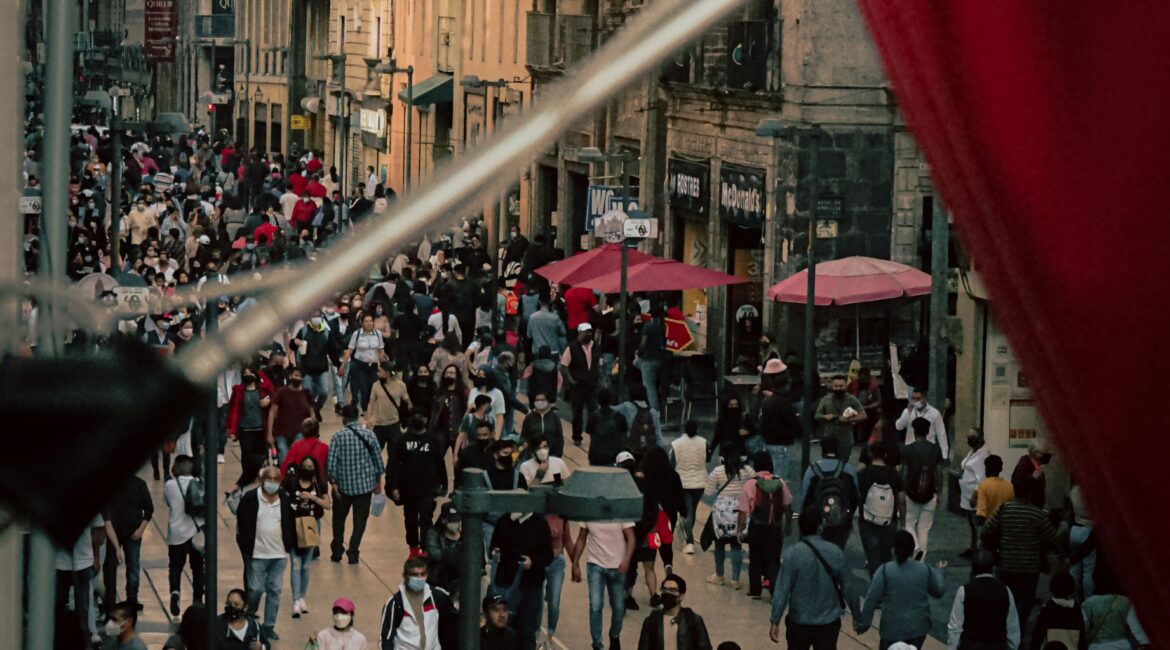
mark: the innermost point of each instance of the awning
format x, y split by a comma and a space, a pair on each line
311, 104
433, 90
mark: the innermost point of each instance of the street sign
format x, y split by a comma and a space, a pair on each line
640, 228
298, 122
610, 226
219, 98
602, 199
133, 299
826, 228
30, 205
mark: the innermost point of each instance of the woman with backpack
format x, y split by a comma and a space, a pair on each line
903, 588
724, 486
765, 512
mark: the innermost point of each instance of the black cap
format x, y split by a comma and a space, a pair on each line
492, 601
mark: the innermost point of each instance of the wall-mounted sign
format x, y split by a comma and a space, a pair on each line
602, 199
161, 30
688, 185
298, 122
741, 195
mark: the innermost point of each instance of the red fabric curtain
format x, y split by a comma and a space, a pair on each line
1047, 128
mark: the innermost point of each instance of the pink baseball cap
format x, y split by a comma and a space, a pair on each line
345, 605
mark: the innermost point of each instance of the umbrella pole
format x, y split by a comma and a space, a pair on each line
623, 330
857, 330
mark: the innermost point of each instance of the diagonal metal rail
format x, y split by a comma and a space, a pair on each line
652, 36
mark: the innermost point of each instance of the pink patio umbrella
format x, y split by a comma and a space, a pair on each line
591, 264
661, 275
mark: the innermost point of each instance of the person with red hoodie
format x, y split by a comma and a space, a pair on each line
247, 418
303, 211
310, 445
315, 188
580, 303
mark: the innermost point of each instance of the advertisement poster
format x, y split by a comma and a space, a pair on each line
161, 30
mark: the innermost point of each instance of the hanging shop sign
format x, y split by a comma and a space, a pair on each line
688, 185
741, 195
161, 31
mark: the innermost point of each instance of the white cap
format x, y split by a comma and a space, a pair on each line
584, 327
623, 457
204, 239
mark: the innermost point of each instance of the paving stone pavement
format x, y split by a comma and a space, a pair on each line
729, 614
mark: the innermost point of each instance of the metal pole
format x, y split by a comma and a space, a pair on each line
623, 301
937, 370
810, 353
116, 191
58, 115
42, 585
409, 122
493, 224
343, 120
471, 562
211, 491
248, 93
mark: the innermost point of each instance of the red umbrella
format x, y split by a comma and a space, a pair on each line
661, 275
590, 264
854, 280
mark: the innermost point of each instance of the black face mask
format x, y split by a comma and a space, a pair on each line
306, 473
838, 391
505, 462
233, 613
483, 444
669, 601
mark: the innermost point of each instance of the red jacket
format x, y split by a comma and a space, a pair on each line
304, 448
265, 233
316, 190
298, 182
236, 404
302, 215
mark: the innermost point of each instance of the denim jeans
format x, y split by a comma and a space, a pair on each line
283, 444
721, 553
692, 497
361, 379
650, 371
782, 469
317, 387
554, 579
530, 603
1082, 572
878, 543
338, 381
133, 552
298, 578
264, 580
601, 581
82, 584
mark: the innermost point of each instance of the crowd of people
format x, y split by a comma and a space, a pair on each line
437, 364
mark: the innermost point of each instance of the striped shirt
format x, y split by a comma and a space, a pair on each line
1022, 533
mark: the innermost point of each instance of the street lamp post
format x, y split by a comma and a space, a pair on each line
589, 494
774, 128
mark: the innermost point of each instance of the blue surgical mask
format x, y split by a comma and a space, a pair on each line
415, 583
271, 487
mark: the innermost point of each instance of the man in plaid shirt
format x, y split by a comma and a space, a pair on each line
355, 471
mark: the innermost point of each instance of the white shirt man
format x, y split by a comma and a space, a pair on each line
918, 408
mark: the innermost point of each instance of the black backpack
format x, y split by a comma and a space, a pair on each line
642, 427
193, 498
832, 495
920, 487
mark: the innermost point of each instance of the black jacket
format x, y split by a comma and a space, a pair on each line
246, 522
530, 538
497, 639
778, 422
225, 640
417, 467
692, 632
608, 435
130, 506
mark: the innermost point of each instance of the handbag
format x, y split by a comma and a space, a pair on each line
307, 534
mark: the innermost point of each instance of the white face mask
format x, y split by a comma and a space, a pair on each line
542, 455
113, 629
341, 621
540, 404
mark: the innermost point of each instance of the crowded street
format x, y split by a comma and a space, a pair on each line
563, 325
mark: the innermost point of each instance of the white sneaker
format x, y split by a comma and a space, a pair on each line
689, 549
219, 458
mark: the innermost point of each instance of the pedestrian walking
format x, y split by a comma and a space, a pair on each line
389, 404
764, 514
308, 446
363, 353
652, 356
542, 423
903, 589
182, 528
608, 432
984, 615
355, 470
836, 414
247, 417
497, 633
724, 486
810, 586
131, 510
310, 499
580, 368
75, 571
418, 616
236, 629
883, 507
689, 456
289, 409
449, 407
608, 549
316, 344
973, 473
992, 492
342, 635
923, 463
830, 486
418, 476
121, 628
521, 545
918, 408
687, 628
443, 545
266, 533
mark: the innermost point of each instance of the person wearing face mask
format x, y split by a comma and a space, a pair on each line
316, 345
340, 324
580, 369
389, 405
521, 550
974, 472
120, 629
1030, 470
431, 623
421, 390
542, 422
836, 413
687, 627
290, 407
485, 384
342, 635
418, 475
266, 533
184, 335
444, 546
247, 415
235, 629
182, 529
310, 500
448, 409
157, 338
449, 354
918, 408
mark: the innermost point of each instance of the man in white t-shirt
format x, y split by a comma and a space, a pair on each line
266, 532
75, 568
607, 548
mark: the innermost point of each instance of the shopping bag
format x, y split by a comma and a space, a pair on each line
307, 534
378, 504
